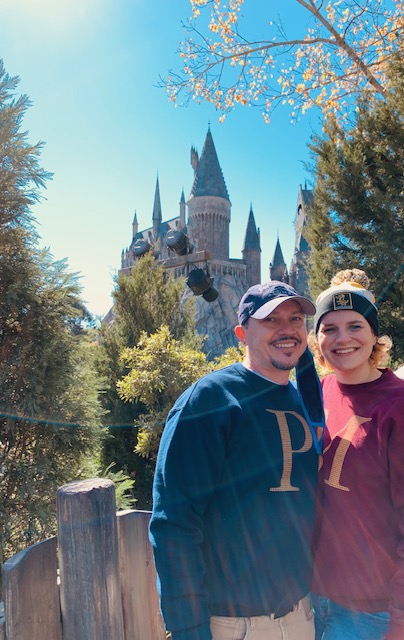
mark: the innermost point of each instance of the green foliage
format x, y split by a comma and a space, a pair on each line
161, 368
230, 356
143, 302
357, 218
123, 487
47, 379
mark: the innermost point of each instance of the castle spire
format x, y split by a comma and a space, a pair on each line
135, 226
252, 235
277, 268
157, 215
182, 209
208, 180
252, 251
277, 259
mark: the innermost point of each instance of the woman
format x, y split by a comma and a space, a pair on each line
358, 584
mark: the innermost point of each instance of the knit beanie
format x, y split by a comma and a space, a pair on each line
347, 295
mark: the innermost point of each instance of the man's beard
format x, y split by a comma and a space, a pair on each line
282, 366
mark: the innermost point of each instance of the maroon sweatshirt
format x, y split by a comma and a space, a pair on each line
359, 540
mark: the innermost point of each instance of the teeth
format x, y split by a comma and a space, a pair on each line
351, 350
285, 345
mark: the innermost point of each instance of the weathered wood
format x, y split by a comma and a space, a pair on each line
89, 561
141, 612
2, 622
31, 595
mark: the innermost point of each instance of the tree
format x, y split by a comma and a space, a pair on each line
357, 216
345, 48
143, 302
49, 408
161, 368
50, 411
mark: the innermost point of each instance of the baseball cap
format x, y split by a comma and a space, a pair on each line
262, 299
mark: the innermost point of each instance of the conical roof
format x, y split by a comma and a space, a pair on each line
278, 259
209, 180
252, 236
157, 215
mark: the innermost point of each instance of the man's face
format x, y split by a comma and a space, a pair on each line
275, 344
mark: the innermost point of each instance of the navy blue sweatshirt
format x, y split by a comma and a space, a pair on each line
233, 502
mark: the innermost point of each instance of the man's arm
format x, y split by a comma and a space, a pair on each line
188, 469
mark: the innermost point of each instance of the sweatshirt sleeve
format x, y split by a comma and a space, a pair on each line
188, 469
396, 452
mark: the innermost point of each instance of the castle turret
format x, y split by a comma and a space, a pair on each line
209, 205
157, 215
277, 268
135, 226
252, 251
182, 210
194, 158
298, 267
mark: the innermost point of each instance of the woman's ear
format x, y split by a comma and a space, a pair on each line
240, 333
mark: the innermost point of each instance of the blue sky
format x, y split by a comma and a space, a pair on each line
90, 68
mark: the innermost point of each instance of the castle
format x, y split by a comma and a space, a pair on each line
197, 246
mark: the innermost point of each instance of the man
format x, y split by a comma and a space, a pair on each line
235, 483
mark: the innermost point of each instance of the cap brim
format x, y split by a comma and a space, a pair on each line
307, 307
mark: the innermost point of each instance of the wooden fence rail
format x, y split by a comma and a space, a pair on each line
106, 589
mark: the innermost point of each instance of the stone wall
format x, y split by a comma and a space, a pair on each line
216, 320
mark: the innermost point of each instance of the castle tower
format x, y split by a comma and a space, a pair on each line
277, 268
298, 267
209, 205
182, 211
252, 251
135, 226
157, 215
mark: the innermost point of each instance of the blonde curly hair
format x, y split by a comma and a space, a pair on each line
381, 349
351, 275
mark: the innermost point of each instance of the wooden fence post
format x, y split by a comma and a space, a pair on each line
31, 595
141, 611
90, 588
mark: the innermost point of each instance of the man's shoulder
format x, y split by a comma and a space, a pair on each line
219, 379
232, 371
209, 392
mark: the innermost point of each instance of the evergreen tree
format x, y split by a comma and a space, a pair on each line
357, 216
143, 302
46, 374
160, 369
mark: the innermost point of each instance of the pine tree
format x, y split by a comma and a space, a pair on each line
161, 368
357, 217
46, 374
143, 302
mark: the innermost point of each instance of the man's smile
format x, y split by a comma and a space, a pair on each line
285, 343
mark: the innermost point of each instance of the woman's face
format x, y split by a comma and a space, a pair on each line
346, 341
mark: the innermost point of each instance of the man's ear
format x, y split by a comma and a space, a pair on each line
240, 333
